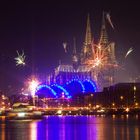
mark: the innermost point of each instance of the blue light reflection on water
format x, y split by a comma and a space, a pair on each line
87, 128
62, 128
72, 128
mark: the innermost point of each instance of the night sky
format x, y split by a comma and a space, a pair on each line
40, 30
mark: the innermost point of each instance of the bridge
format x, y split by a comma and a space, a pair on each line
67, 90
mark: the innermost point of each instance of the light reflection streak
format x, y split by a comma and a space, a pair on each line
47, 129
137, 133
62, 134
122, 133
127, 134
33, 131
92, 130
114, 133
3, 131
73, 128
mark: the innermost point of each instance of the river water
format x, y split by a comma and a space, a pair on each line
73, 128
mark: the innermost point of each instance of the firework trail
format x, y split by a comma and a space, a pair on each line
109, 20
128, 52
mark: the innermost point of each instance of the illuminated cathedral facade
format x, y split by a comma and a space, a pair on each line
96, 61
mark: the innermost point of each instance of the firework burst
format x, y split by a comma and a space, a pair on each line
98, 58
20, 59
101, 62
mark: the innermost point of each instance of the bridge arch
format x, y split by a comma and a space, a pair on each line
75, 86
45, 87
89, 85
66, 93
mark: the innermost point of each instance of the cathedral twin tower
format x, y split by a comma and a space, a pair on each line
96, 61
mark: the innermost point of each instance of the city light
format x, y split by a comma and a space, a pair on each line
127, 109
134, 88
21, 114
113, 104
59, 112
121, 97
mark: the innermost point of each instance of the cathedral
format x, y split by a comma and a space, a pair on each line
96, 61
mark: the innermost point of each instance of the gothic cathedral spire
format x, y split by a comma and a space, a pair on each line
88, 36
86, 50
74, 56
103, 35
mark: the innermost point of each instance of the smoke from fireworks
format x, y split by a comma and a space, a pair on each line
65, 47
20, 59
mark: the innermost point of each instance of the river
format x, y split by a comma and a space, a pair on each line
121, 127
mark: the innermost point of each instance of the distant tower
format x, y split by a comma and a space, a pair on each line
74, 46
74, 55
87, 50
103, 35
88, 36
106, 77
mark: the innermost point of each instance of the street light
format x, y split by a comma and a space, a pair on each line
121, 97
134, 88
136, 104
113, 104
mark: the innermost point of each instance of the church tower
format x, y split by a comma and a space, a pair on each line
103, 41
74, 55
87, 49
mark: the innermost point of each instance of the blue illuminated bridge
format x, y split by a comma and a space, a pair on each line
67, 90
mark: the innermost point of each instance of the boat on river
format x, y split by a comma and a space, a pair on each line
21, 111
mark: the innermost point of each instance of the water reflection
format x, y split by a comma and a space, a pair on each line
137, 133
73, 128
33, 131
2, 131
